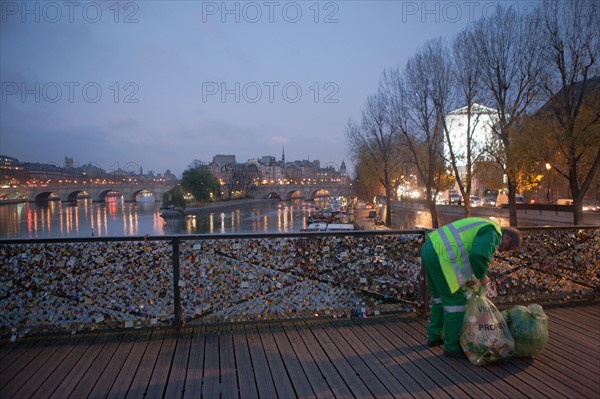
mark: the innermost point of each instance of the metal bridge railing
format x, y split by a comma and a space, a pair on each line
130, 282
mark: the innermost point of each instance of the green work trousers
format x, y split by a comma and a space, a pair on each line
447, 309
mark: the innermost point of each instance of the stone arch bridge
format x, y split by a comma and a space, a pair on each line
70, 192
307, 191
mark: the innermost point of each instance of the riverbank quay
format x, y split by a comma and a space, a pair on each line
364, 222
377, 357
222, 205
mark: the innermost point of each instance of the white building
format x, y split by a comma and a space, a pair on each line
480, 128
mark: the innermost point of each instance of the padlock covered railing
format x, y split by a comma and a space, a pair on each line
129, 282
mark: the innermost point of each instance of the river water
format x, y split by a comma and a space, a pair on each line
117, 218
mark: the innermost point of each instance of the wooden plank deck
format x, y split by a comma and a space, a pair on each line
382, 357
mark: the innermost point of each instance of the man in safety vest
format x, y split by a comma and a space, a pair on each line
451, 255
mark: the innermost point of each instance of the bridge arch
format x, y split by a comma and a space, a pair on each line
273, 195
101, 195
69, 192
46, 196
289, 195
308, 190
134, 195
72, 196
323, 193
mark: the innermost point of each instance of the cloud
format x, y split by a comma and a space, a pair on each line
279, 140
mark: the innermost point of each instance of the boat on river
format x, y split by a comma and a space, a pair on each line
173, 213
333, 214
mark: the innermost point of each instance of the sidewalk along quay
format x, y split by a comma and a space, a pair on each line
72, 285
406, 214
364, 222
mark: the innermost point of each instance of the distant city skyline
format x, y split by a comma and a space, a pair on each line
73, 162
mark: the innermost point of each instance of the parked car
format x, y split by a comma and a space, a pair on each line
489, 201
454, 199
440, 200
476, 201
502, 199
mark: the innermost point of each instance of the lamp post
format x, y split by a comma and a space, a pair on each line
548, 168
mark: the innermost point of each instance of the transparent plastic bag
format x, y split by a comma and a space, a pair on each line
485, 336
529, 328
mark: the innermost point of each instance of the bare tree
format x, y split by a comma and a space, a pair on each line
572, 47
238, 178
419, 101
228, 176
197, 164
465, 128
366, 184
375, 141
507, 46
249, 176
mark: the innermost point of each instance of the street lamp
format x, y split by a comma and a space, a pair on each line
548, 168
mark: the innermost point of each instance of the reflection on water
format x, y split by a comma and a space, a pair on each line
81, 219
118, 218
257, 217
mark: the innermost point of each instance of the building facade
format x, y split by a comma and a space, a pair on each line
469, 128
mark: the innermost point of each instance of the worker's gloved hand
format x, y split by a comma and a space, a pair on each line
475, 284
485, 281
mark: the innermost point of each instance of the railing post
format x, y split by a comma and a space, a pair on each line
176, 292
423, 309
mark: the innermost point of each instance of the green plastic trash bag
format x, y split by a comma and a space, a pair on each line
485, 337
529, 328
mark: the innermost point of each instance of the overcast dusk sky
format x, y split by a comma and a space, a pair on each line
159, 84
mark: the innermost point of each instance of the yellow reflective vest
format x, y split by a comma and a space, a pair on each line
453, 243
